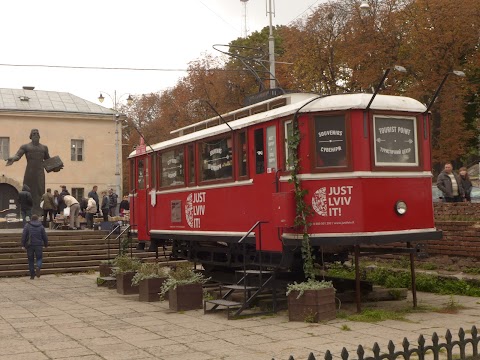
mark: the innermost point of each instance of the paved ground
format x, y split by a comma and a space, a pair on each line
68, 317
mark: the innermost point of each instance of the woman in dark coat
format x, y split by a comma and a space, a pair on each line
467, 184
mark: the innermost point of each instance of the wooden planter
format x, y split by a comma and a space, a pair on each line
186, 297
124, 284
149, 289
312, 306
105, 269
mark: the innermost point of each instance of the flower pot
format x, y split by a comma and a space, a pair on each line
105, 269
124, 283
149, 289
186, 297
312, 306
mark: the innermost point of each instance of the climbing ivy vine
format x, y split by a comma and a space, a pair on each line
303, 210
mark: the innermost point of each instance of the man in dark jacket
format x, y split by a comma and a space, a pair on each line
26, 203
450, 185
34, 237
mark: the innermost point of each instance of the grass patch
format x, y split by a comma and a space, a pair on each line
401, 279
376, 315
345, 327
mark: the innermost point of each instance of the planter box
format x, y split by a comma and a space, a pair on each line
105, 269
124, 284
186, 297
312, 306
148, 289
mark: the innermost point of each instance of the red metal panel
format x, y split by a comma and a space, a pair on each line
283, 205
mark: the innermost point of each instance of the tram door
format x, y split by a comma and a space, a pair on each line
265, 142
141, 198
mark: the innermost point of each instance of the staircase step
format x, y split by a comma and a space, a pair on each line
221, 302
239, 287
255, 271
68, 252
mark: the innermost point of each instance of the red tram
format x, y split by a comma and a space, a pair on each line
367, 170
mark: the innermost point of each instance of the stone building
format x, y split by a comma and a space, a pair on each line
80, 132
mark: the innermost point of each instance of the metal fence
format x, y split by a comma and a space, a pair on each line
464, 348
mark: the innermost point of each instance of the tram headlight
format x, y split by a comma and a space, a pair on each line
401, 207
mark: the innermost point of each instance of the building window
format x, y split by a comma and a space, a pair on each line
77, 150
4, 148
78, 193
395, 141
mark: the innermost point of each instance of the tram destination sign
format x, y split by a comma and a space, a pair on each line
395, 141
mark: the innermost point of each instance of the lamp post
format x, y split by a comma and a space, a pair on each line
116, 119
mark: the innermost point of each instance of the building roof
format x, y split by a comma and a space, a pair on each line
48, 101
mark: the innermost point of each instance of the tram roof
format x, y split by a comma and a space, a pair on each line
292, 102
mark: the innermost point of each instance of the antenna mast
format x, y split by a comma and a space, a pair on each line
244, 25
271, 45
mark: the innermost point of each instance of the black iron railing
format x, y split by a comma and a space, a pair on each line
117, 229
463, 348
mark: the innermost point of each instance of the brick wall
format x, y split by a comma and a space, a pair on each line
460, 223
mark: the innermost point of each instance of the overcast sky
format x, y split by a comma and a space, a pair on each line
165, 34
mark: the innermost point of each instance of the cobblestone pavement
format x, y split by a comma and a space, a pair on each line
68, 317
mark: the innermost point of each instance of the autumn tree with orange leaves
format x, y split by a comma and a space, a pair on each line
337, 49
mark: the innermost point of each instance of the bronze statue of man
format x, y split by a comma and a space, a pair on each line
34, 177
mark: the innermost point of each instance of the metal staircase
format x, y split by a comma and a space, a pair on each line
253, 282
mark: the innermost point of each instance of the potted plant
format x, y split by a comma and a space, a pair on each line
105, 267
311, 301
149, 279
124, 270
184, 287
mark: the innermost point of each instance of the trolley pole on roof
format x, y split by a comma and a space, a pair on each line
271, 46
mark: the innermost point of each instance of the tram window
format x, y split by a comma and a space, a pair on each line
131, 180
191, 164
242, 154
330, 141
172, 168
141, 174
259, 152
395, 141
271, 148
288, 154
216, 159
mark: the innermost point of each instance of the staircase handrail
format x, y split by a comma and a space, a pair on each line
107, 238
120, 236
258, 223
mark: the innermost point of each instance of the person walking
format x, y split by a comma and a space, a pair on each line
48, 206
90, 211
26, 203
450, 185
74, 206
105, 205
34, 238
